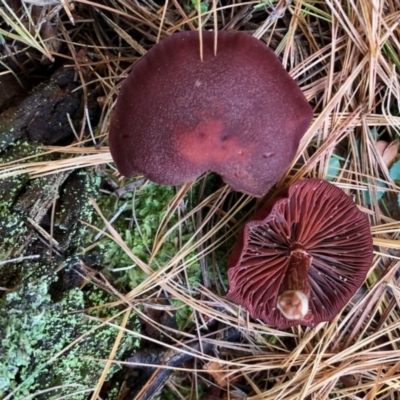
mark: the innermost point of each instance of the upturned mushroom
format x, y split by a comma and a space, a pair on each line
237, 113
302, 257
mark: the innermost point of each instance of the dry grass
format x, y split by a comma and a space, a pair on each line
344, 54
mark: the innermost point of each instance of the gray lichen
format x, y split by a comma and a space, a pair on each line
36, 332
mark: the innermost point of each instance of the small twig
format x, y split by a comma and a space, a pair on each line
200, 31
72, 127
18, 259
155, 379
120, 192
162, 21
215, 27
90, 127
116, 215
50, 240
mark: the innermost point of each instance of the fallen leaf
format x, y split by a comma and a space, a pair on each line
388, 151
380, 146
50, 39
220, 374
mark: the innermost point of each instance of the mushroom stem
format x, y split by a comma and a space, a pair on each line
293, 301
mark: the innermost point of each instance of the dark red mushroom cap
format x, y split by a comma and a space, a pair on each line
302, 256
238, 113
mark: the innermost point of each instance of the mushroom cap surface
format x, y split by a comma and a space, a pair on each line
238, 113
319, 218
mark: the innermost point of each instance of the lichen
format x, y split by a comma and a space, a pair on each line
35, 330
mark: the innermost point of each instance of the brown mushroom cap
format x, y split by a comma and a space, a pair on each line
238, 113
310, 241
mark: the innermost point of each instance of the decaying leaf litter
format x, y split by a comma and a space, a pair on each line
344, 55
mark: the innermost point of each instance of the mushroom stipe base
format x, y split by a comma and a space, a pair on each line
293, 302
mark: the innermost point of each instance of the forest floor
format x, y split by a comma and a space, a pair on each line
115, 288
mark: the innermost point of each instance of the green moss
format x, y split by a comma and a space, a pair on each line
138, 225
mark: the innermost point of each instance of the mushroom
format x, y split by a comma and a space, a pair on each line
302, 256
237, 113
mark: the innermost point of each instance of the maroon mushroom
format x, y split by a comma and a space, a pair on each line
302, 256
237, 113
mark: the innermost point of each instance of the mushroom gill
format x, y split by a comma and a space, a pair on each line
301, 257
